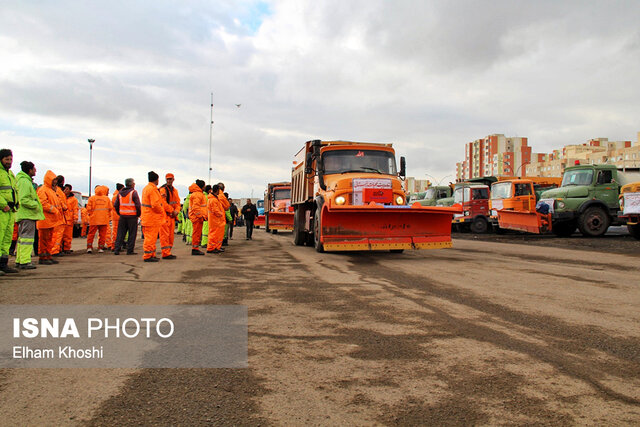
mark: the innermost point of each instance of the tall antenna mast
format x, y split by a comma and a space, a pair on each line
210, 137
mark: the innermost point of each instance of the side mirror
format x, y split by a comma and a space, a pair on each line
309, 160
403, 167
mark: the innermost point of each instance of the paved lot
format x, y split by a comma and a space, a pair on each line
485, 333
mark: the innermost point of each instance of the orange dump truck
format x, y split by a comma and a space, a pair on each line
348, 196
278, 211
513, 204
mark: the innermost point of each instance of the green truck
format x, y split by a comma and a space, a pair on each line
588, 199
434, 194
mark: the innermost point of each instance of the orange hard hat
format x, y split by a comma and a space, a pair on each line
169, 175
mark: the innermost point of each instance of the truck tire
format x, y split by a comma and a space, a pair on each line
266, 223
594, 222
479, 225
564, 228
299, 235
634, 230
317, 230
274, 231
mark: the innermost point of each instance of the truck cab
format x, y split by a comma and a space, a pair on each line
474, 200
277, 207
434, 194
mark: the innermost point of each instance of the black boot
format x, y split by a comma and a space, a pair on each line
4, 260
225, 242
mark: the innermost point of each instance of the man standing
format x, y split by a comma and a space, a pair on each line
197, 214
250, 212
29, 212
153, 217
58, 232
111, 242
128, 207
233, 211
72, 217
216, 222
222, 196
99, 208
8, 207
171, 205
51, 209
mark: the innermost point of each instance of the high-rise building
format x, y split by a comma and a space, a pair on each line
496, 155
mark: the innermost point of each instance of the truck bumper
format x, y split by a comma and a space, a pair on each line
563, 216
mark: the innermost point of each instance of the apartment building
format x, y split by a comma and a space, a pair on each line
414, 185
623, 154
496, 155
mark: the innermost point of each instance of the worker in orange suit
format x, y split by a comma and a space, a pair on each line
171, 205
99, 208
84, 221
197, 214
72, 218
152, 217
217, 222
226, 206
115, 218
51, 208
58, 232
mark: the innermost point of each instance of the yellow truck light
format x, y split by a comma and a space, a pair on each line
400, 200
340, 200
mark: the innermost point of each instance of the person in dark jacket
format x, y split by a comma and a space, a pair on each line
127, 205
250, 213
233, 210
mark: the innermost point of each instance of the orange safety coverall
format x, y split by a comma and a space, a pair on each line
197, 213
217, 221
72, 217
84, 218
115, 219
99, 208
152, 219
171, 205
51, 208
58, 231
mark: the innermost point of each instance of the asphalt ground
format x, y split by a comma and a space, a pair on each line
542, 331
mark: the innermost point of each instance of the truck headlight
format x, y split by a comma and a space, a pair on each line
340, 200
466, 213
561, 204
400, 200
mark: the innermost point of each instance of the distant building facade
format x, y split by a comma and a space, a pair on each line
623, 154
494, 155
414, 185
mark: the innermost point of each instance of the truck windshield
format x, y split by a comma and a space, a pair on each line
343, 161
431, 194
458, 196
260, 204
501, 191
282, 194
578, 177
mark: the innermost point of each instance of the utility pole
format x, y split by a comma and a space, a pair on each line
91, 141
210, 138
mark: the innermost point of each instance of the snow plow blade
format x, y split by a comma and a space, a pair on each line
281, 220
530, 222
379, 227
259, 221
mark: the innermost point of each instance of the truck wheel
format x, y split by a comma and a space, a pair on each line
266, 223
274, 231
479, 225
563, 229
593, 222
634, 230
299, 235
317, 228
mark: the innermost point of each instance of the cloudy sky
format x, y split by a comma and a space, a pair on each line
429, 76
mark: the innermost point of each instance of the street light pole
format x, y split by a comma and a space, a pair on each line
91, 141
526, 163
210, 137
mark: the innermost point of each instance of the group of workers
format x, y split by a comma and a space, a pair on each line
41, 218
51, 209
